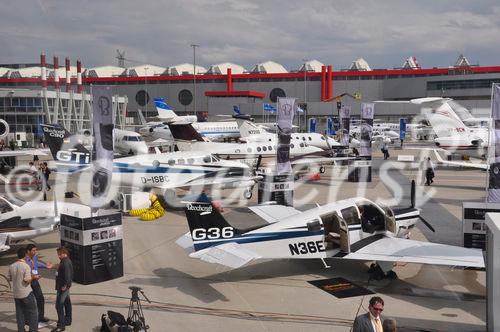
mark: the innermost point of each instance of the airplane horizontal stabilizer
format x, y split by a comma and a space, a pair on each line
231, 255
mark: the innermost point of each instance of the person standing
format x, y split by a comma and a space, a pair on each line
372, 320
35, 264
46, 174
429, 172
21, 277
64, 278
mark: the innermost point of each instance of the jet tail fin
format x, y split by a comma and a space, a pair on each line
164, 110
184, 132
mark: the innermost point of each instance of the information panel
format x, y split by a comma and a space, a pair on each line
95, 246
473, 223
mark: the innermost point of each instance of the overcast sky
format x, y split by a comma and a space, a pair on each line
334, 32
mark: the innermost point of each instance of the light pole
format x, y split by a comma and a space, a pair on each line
146, 88
305, 88
194, 46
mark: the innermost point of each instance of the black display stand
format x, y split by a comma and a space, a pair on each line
277, 188
360, 171
95, 246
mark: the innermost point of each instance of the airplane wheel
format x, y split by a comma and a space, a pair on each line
322, 169
247, 194
391, 275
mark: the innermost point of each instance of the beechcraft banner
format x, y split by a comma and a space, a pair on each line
494, 148
102, 106
365, 144
345, 122
286, 108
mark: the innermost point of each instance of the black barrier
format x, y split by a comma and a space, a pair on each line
277, 188
95, 246
360, 171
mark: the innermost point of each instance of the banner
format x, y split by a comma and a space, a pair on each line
494, 148
286, 108
330, 130
365, 144
345, 125
103, 125
402, 128
312, 125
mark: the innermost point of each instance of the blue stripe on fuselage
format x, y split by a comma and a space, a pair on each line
256, 237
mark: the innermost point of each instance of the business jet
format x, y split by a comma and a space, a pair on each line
162, 171
354, 228
250, 132
21, 220
4, 132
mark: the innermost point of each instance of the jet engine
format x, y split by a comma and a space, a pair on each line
4, 129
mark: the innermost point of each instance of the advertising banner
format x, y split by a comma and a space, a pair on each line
345, 124
286, 109
103, 142
494, 148
312, 125
330, 130
402, 128
365, 146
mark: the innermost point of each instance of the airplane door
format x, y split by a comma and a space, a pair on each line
345, 244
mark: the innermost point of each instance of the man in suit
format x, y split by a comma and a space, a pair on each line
372, 320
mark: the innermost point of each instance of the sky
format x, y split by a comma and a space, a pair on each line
335, 32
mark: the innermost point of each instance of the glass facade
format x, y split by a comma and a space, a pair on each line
462, 84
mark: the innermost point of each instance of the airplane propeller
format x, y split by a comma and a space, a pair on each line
412, 200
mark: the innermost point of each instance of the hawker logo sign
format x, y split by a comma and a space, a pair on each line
199, 208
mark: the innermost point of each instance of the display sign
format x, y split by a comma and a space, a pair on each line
494, 148
345, 124
276, 188
366, 129
312, 125
473, 223
330, 129
95, 246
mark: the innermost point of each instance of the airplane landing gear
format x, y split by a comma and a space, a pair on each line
322, 169
377, 272
247, 194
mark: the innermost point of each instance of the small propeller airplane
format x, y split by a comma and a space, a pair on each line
354, 228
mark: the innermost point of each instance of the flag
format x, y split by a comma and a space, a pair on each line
345, 123
494, 148
284, 121
102, 105
236, 109
269, 108
366, 130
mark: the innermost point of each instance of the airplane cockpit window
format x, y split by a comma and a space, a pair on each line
5, 207
171, 162
215, 159
372, 219
322, 138
14, 200
207, 159
350, 215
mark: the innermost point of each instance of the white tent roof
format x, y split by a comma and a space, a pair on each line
25, 72
221, 68
62, 71
411, 63
146, 70
185, 68
312, 65
360, 64
269, 67
462, 61
4, 72
105, 71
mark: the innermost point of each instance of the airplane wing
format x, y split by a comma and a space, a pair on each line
228, 254
403, 250
24, 152
3, 241
460, 163
233, 182
273, 213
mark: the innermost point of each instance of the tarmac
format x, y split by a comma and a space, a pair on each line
188, 294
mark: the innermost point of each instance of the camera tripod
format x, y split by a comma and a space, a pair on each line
135, 314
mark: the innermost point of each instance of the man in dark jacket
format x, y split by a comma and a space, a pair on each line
372, 320
64, 278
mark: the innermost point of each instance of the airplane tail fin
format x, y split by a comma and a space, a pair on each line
164, 111
445, 122
184, 132
207, 225
65, 148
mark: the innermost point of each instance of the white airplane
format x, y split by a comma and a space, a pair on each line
4, 131
250, 132
355, 228
162, 171
452, 134
214, 130
125, 142
21, 220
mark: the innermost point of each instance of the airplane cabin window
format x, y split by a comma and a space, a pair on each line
264, 148
171, 162
180, 161
190, 161
249, 149
4, 207
350, 215
258, 149
372, 219
270, 148
292, 146
310, 138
